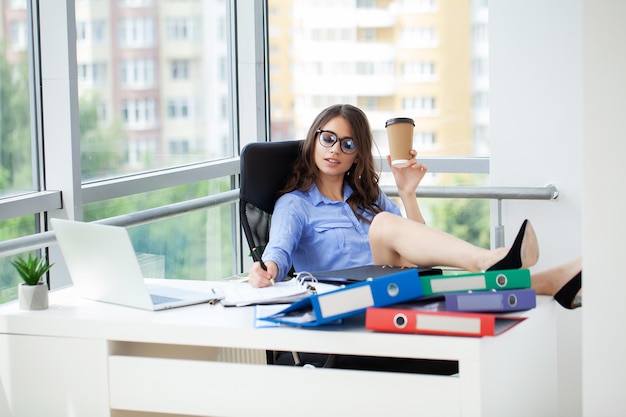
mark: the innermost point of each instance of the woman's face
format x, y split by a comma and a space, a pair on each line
332, 161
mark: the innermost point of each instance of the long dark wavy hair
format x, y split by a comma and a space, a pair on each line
362, 175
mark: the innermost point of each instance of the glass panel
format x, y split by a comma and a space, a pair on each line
407, 58
18, 172
16, 142
198, 245
424, 59
151, 84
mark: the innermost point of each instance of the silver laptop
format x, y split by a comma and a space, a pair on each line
103, 266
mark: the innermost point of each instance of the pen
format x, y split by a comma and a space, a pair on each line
257, 257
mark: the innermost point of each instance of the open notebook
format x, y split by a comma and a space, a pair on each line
239, 294
103, 266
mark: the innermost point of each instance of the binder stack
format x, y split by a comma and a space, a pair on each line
460, 304
396, 299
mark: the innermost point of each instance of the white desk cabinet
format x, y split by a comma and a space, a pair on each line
84, 358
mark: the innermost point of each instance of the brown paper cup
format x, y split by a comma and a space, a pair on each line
400, 137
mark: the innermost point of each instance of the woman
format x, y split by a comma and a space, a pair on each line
332, 213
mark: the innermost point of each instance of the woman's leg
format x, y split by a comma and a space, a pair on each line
398, 241
550, 281
395, 240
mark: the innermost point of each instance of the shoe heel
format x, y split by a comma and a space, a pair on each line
566, 296
525, 250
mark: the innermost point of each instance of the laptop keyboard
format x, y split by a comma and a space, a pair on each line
162, 299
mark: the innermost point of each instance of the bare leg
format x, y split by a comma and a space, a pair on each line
551, 280
398, 241
395, 240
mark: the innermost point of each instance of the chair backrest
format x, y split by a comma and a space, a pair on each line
265, 167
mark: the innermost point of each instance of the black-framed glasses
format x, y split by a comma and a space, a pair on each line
328, 139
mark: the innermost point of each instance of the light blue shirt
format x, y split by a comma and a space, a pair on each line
315, 233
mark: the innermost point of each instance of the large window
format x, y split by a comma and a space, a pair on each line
421, 59
154, 95
19, 146
16, 136
153, 102
163, 95
162, 84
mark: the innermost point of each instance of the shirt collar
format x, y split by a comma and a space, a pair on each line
317, 197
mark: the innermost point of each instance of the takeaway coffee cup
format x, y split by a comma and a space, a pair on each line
400, 137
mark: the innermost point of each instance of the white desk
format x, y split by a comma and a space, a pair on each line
84, 358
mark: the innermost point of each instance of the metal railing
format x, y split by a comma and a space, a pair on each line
549, 192
40, 240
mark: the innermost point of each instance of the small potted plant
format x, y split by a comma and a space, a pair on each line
32, 293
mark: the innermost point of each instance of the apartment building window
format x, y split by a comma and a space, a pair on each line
138, 73
367, 35
180, 69
419, 37
480, 100
93, 31
419, 71
182, 29
221, 32
101, 112
19, 39
365, 68
179, 108
480, 66
425, 141
481, 133
137, 32
223, 69
422, 105
179, 146
92, 73
140, 151
82, 31
369, 103
332, 35
223, 107
480, 33
139, 114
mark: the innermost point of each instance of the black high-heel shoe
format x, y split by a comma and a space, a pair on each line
567, 297
525, 250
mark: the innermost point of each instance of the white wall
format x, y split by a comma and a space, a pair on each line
558, 105
604, 225
536, 108
536, 117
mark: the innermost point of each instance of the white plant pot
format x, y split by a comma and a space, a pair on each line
33, 297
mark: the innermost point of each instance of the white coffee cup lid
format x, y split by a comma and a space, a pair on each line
400, 163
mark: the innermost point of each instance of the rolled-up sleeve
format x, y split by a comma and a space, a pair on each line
285, 233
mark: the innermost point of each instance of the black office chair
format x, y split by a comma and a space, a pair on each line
265, 167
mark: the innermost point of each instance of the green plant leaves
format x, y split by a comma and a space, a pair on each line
31, 269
